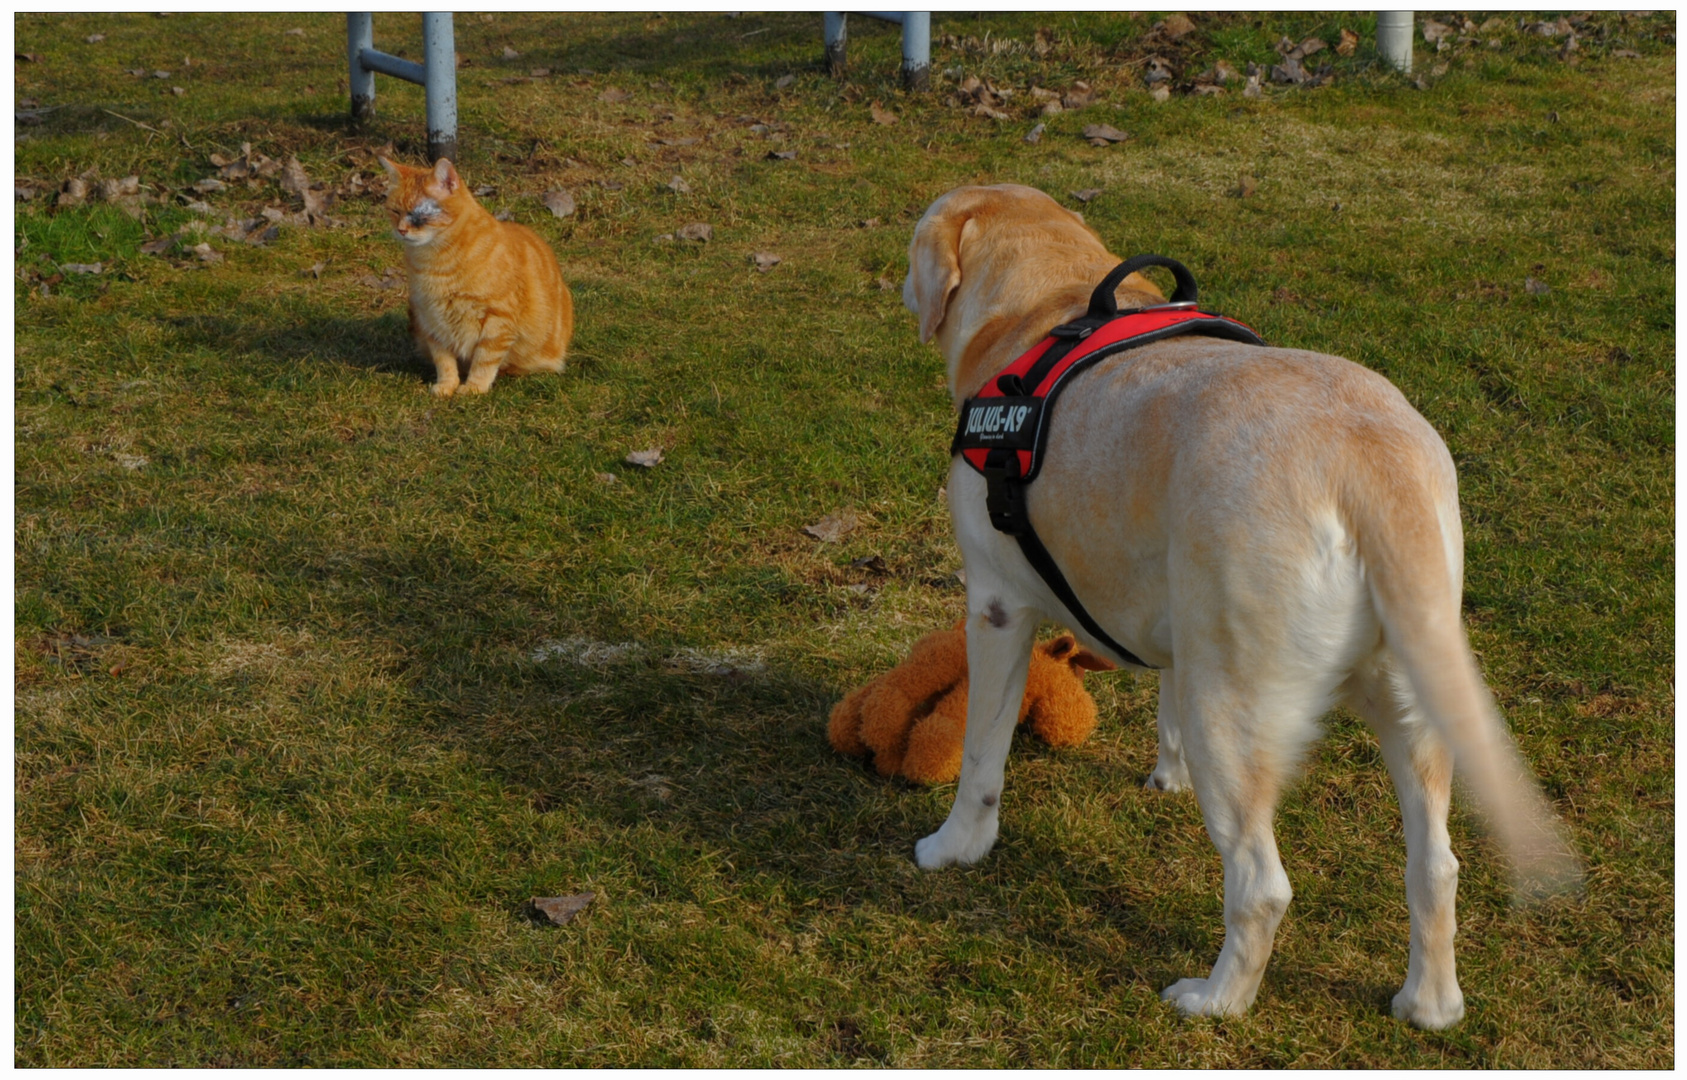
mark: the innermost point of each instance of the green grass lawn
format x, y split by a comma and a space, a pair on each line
311, 687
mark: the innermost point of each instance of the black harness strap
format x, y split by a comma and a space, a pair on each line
1010, 418
1005, 500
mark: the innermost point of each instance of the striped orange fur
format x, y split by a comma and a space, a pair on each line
486, 296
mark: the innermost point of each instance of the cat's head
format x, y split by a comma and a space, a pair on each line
424, 202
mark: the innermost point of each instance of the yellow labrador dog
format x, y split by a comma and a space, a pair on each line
1276, 530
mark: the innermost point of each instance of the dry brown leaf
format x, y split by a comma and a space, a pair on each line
1533, 286
645, 459
314, 270
1246, 185
833, 527
294, 179
1177, 26
1078, 97
509, 53
561, 910
613, 95
1349, 42
881, 115
697, 230
1105, 133
1086, 194
678, 186
781, 155
94, 39
559, 203
206, 254
784, 82
766, 260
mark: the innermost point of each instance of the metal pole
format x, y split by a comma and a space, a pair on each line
1394, 38
916, 49
439, 50
360, 35
837, 41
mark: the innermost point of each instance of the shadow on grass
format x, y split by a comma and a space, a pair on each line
671, 769
378, 343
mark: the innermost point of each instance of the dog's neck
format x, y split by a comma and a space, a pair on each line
979, 347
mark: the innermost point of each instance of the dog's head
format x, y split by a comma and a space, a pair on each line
992, 269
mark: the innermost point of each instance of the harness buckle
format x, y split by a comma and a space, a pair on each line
1076, 331
1004, 495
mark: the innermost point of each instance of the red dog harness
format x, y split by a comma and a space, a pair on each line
1004, 428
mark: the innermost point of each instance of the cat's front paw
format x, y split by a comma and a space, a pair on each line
470, 388
440, 389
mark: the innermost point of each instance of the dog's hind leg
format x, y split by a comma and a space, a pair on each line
1170, 773
1422, 768
998, 658
1240, 739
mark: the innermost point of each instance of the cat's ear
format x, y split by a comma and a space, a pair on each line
445, 175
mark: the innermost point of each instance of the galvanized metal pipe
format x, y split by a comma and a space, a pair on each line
1394, 38
373, 60
360, 38
916, 49
836, 32
440, 51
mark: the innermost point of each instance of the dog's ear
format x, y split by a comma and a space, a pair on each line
934, 270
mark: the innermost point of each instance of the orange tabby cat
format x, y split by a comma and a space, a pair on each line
485, 295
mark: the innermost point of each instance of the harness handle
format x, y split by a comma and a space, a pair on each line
1104, 305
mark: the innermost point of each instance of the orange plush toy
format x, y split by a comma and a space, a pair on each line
913, 718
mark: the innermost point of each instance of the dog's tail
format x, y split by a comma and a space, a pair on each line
1409, 542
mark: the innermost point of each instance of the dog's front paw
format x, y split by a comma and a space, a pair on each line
1168, 776
1432, 1012
954, 845
1195, 997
